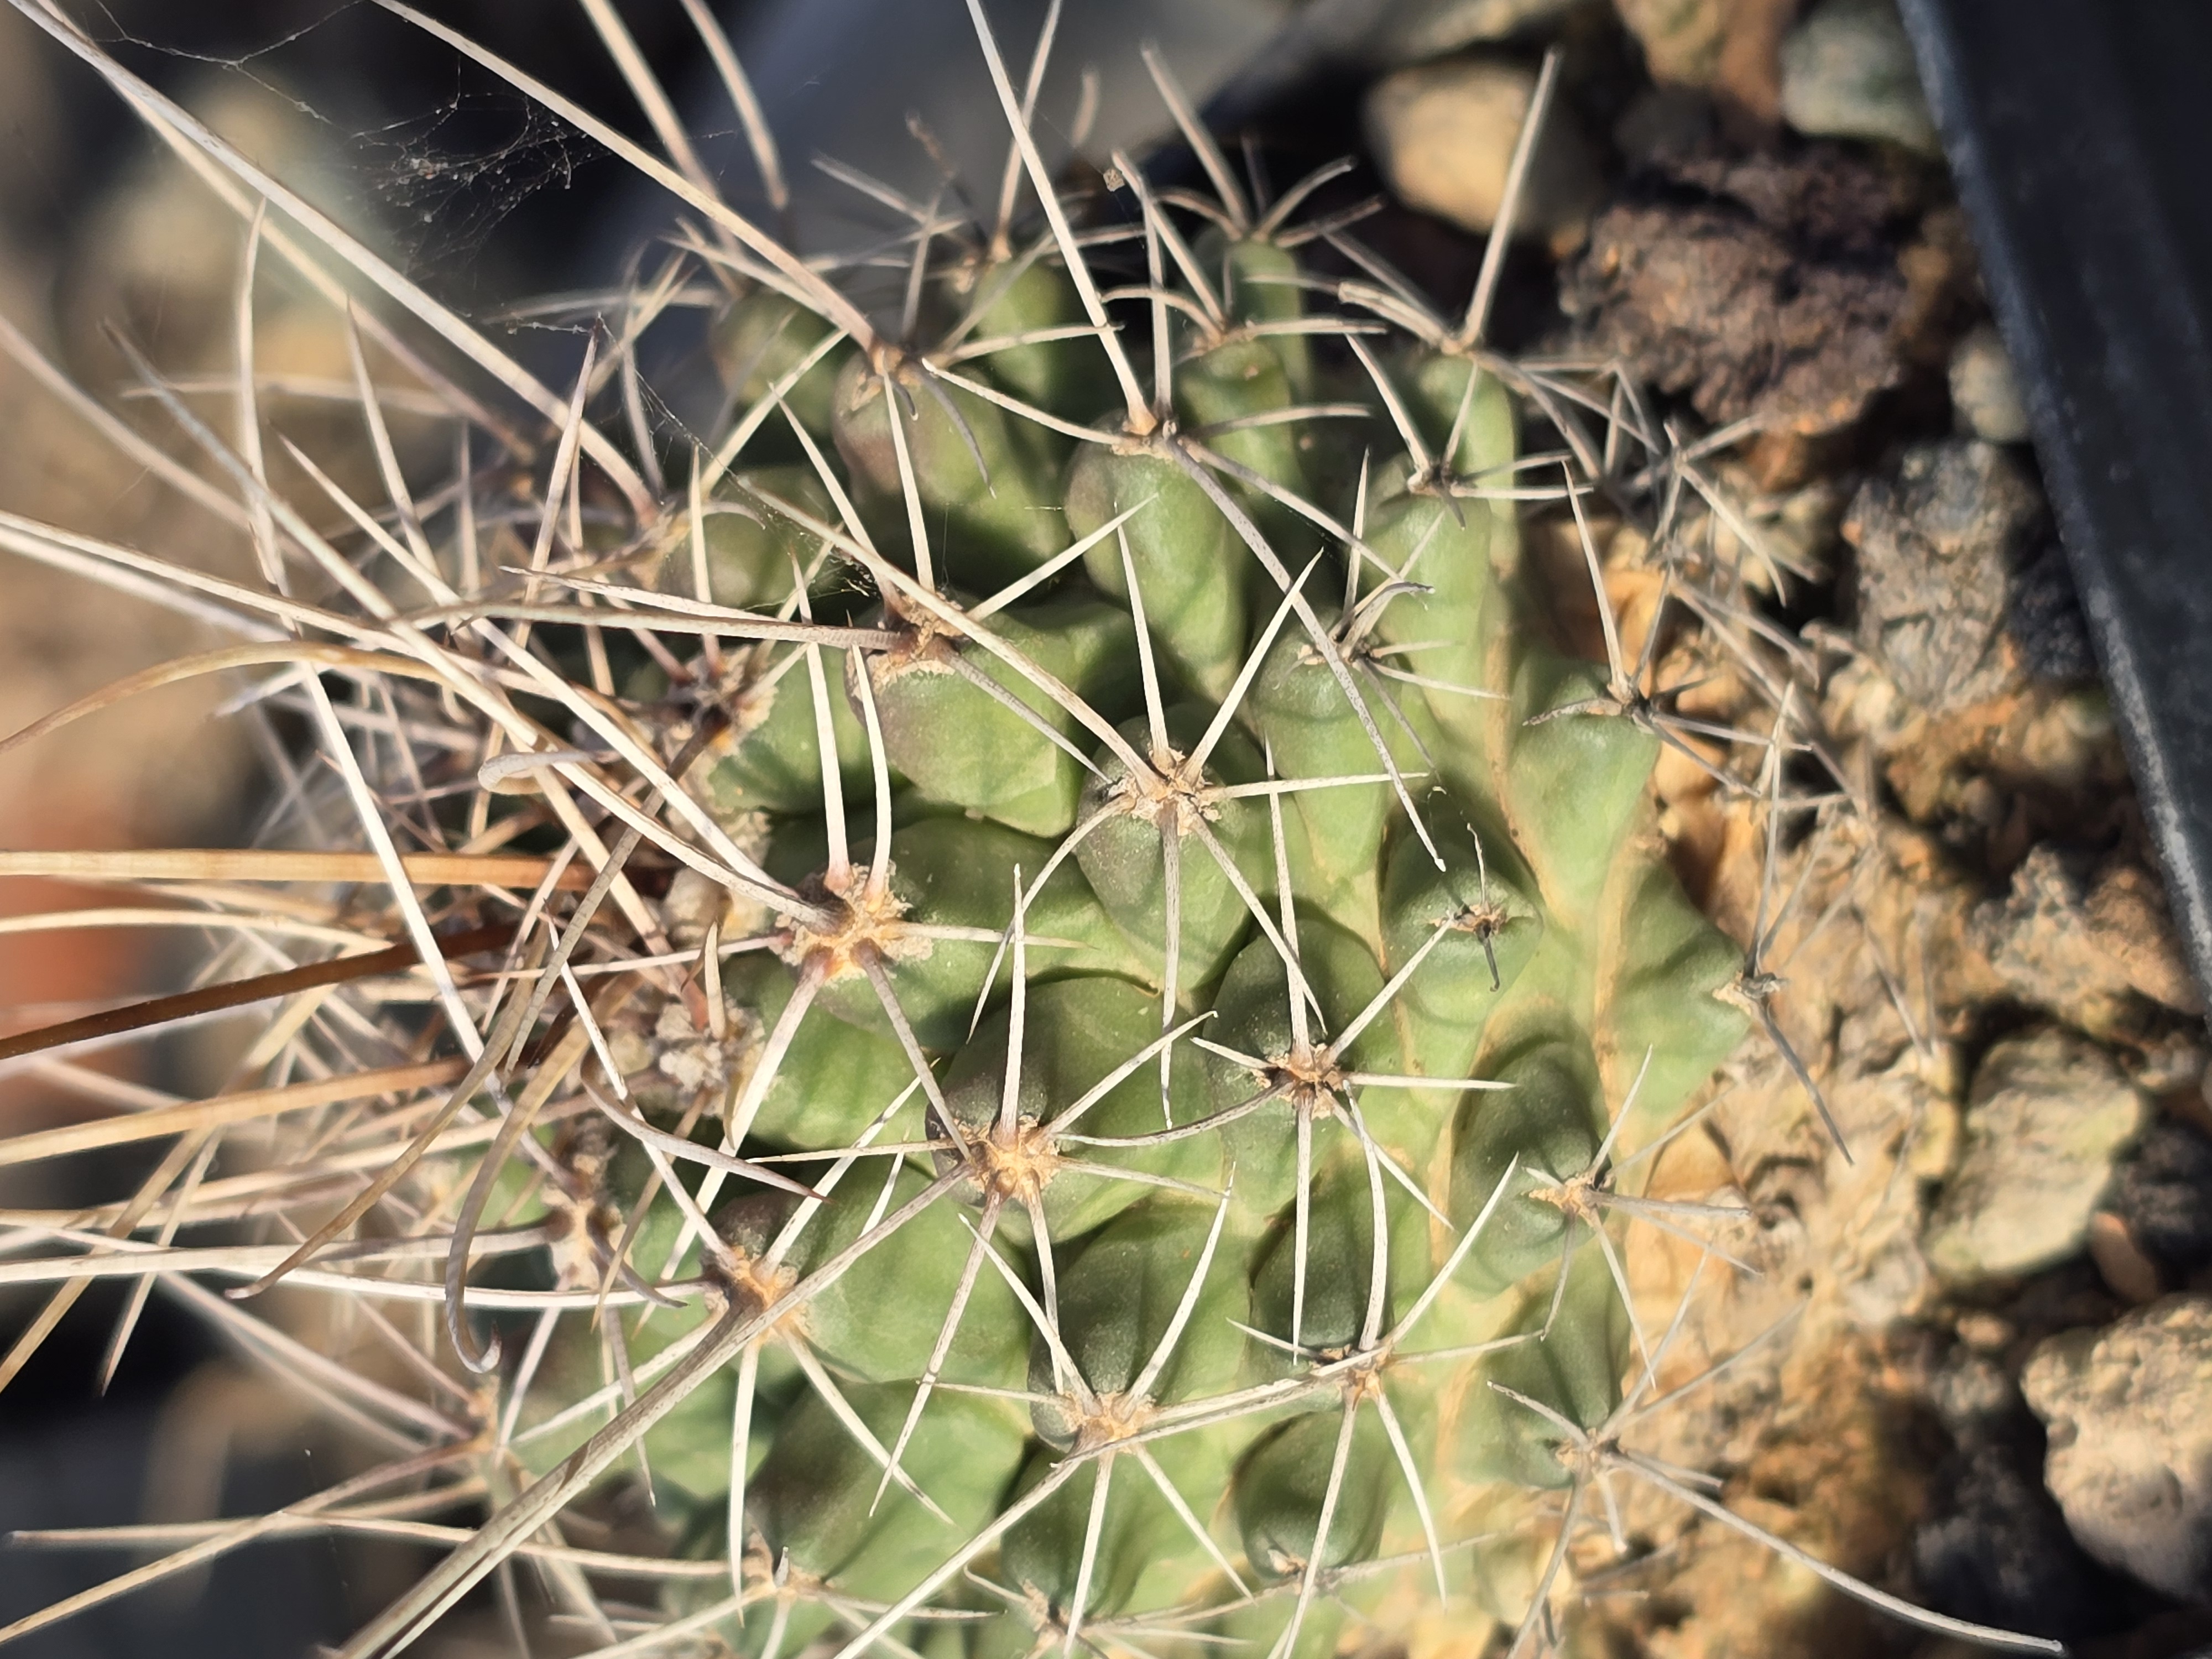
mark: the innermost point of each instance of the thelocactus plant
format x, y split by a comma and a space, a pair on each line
1067, 984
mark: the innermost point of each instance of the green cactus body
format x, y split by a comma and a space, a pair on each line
761, 339
1126, 855
1184, 552
1170, 1004
964, 742
1261, 283
1153, 1204
989, 478
1003, 304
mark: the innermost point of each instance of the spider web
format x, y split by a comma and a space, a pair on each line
445, 182
440, 182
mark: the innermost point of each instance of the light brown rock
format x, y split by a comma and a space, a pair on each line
1730, 47
1985, 389
1750, 284
2047, 1115
2130, 1415
1681, 39
1445, 134
1936, 539
1416, 30
1847, 72
2075, 939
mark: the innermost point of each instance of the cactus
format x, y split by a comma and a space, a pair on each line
1072, 1044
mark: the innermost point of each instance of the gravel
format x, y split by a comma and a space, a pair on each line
1936, 540
1847, 72
1754, 285
2129, 1411
2047, 1117
1444, 135
2074, 935
1986, 392
2164, 1197
2043, 615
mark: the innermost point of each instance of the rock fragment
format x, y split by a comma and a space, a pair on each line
1994, 1548
1729, 47
1847, 72
1935, 544
1760, 285
2129, 1410
1986, 392
1445, 134
1413, 31
1998, 1551
2043, 615
2076, 939
2048, 1115
1663, 124
1681, 39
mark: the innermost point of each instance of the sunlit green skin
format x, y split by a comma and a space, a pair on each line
867, 1323
1253, 1011
988, 480
1084, 1029
1575, 1371
1188, 561
692, 1444
1547, 1136
1235, 380
1260, 284
815, 1491
1301, 712
753, 555
1118, 1297
1553, 951
953, 872
1125, 856
769, 758
835, 1078
965, 747
1217, 389
1282, 1480
1489, 927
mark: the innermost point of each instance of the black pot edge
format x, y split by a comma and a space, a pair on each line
2074, 131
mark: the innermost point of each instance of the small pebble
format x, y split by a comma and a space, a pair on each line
2043, 614
1936, 542
2129, 1410
1847, 72
1986, 392
1984, 1333
1971, 1393
1445, 133
1413, 33
2127, 1271
1994, 1546
1997, 1550
1682, 39
2047, 1117
2170, 1064
1759, 283
2083, 939
1661, 123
